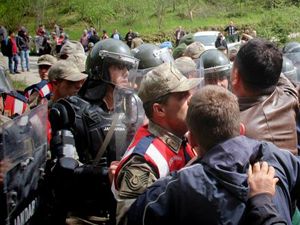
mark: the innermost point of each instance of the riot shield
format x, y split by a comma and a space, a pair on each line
129, 115
24, 149
5, 83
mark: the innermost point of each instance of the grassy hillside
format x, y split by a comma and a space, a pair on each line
155, 20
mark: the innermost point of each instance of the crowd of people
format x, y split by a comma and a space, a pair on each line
139, 136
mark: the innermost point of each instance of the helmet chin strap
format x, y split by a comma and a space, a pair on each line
109, 83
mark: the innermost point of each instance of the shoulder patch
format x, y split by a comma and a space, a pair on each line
135, 181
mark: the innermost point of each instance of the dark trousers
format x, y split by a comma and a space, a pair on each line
13, 60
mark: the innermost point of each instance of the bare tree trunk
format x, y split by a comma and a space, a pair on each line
174, 5
160, 13
191, 15
190, 9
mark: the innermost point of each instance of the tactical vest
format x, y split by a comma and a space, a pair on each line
92, 124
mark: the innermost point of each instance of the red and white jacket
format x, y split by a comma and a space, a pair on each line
157, 153
14, 105
44, 88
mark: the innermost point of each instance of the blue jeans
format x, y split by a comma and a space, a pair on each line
12, 59
24, 54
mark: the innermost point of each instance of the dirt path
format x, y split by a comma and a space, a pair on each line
28, 78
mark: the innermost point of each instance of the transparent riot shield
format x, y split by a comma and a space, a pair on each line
295, 58
129, 115
5, 83
23, 150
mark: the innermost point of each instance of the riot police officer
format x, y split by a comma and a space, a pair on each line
149, 56
216, 67
82, 186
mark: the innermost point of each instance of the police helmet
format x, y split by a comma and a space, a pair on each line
105, 53
288, 69
291, 47
150, 55
215, 64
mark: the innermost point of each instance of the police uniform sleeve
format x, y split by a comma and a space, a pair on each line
133, 179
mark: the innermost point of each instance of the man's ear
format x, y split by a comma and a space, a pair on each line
191, 139
194, 144
158, 109
235, 78
242, 129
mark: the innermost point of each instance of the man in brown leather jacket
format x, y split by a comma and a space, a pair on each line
268, 100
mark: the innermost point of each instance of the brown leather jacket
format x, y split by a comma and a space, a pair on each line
273, 117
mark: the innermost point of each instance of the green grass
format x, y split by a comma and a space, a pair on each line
206, 17
19, 85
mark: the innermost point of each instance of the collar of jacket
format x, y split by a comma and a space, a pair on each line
171, 140
248, 102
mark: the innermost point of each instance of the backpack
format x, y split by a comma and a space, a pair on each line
4, 47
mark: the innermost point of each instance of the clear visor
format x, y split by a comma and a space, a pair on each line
199, 66
135, 78
295, 58
292, 74
217, 75
117, 67
164, 54
130, 113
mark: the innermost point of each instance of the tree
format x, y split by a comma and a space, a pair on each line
191, 5
160, 11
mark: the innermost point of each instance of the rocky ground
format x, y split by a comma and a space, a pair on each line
28, 78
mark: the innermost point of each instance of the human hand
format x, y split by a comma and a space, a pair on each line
261, 179
112, 170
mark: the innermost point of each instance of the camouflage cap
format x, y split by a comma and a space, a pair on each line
65, 70
185, 64
79, 60
194, 50
162, 80
46, 59
179, 50
71, 48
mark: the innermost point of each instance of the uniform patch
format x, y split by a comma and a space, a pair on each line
135, 181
